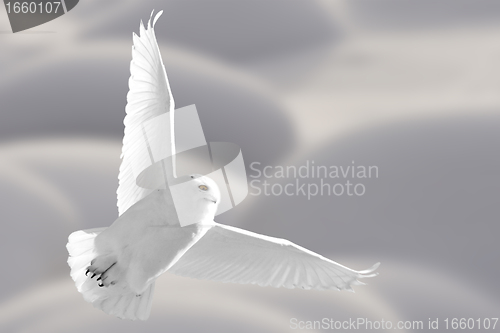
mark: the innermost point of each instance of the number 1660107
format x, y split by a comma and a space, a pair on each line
33, 7
470, 323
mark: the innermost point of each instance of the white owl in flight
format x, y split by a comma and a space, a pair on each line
115, 268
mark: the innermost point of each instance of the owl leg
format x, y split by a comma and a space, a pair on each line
111, 276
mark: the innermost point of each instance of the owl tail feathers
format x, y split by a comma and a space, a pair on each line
128, 305
81, 252
121, 303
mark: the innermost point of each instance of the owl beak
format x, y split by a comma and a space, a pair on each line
211, 198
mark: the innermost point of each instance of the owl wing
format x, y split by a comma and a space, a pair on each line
230, 254
149, 96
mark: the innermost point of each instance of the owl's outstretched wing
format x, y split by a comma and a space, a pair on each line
230, 254
149, 96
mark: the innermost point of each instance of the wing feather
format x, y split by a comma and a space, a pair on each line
149, 96
230, 254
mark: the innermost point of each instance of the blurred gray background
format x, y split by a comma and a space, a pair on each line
408, 86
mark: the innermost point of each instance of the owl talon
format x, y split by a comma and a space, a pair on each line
105, 270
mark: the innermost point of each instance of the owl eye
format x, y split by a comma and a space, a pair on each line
203, 187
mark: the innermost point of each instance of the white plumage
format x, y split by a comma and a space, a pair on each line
115, 267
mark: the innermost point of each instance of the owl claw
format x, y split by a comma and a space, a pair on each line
106, 270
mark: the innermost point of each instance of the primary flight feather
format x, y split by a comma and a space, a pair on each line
115, 268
